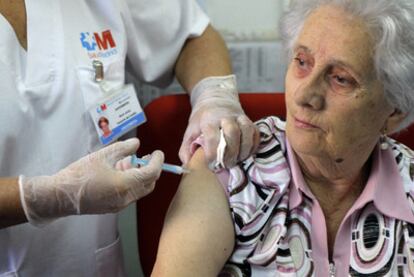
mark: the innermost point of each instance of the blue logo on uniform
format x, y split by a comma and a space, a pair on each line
88, 41
99, 44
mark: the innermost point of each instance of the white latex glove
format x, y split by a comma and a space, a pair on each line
97, 183
215, 105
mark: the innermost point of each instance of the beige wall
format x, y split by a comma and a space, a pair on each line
236, 19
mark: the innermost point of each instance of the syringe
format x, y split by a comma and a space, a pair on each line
165, 166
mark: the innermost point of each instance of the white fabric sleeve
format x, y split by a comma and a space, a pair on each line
156, 32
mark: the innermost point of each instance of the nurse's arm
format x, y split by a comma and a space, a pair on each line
11, 210
198, 234
201, 57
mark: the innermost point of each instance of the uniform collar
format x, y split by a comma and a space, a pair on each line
384, 186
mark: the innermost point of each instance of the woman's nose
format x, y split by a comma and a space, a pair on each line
311, 94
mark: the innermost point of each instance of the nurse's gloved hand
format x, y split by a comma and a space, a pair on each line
215, 105
97, 183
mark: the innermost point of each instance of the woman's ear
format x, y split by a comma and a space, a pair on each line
394, 120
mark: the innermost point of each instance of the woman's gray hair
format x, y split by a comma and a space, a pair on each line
391, 23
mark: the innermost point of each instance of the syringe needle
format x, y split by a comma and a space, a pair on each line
165, 166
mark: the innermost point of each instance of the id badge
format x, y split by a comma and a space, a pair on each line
117, 114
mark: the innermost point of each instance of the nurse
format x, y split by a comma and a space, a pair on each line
64, 64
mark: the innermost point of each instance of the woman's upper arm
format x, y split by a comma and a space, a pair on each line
198, 233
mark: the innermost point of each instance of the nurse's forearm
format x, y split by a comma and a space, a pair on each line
202, 57
11, 211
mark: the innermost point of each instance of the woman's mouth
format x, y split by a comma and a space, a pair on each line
304, 124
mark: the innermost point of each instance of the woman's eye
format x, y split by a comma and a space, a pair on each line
343, 81
302, 65
300, 61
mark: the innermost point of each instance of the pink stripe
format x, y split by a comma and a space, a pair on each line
269, 170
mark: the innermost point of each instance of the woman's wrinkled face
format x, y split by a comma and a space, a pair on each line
335, 104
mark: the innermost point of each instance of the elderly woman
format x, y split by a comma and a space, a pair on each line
327, 194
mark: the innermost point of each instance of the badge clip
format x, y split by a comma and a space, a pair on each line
99, 71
